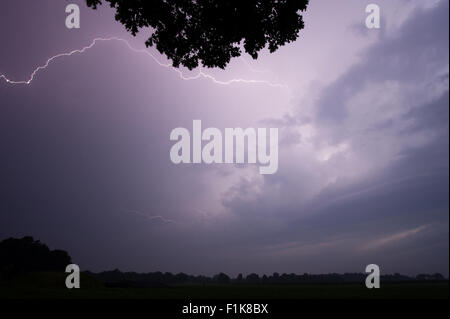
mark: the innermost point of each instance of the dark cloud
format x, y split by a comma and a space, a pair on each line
391, 109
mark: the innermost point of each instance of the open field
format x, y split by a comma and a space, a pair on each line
52, 286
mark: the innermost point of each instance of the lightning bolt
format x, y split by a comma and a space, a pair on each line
199, 75
151, 217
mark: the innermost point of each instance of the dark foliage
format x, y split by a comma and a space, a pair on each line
221, 278
210, 32
18, 256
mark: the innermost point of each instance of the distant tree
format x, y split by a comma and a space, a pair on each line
210, 32
181, 277
221, 278
252, 278
438, 276
239, 278
59, 259
23, 255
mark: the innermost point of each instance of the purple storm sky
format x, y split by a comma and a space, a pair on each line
363, 118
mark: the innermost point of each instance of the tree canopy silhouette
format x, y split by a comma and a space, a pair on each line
18, 256
211, 32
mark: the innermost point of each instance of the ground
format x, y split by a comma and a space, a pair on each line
51, 285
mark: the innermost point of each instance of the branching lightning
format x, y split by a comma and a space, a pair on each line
199, 75
151, 217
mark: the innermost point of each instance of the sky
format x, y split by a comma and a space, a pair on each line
363, 169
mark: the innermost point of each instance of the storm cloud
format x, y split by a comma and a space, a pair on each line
363, 171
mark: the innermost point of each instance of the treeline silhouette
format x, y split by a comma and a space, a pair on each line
117, 278
20, 256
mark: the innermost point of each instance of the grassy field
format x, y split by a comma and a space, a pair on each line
50, 285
